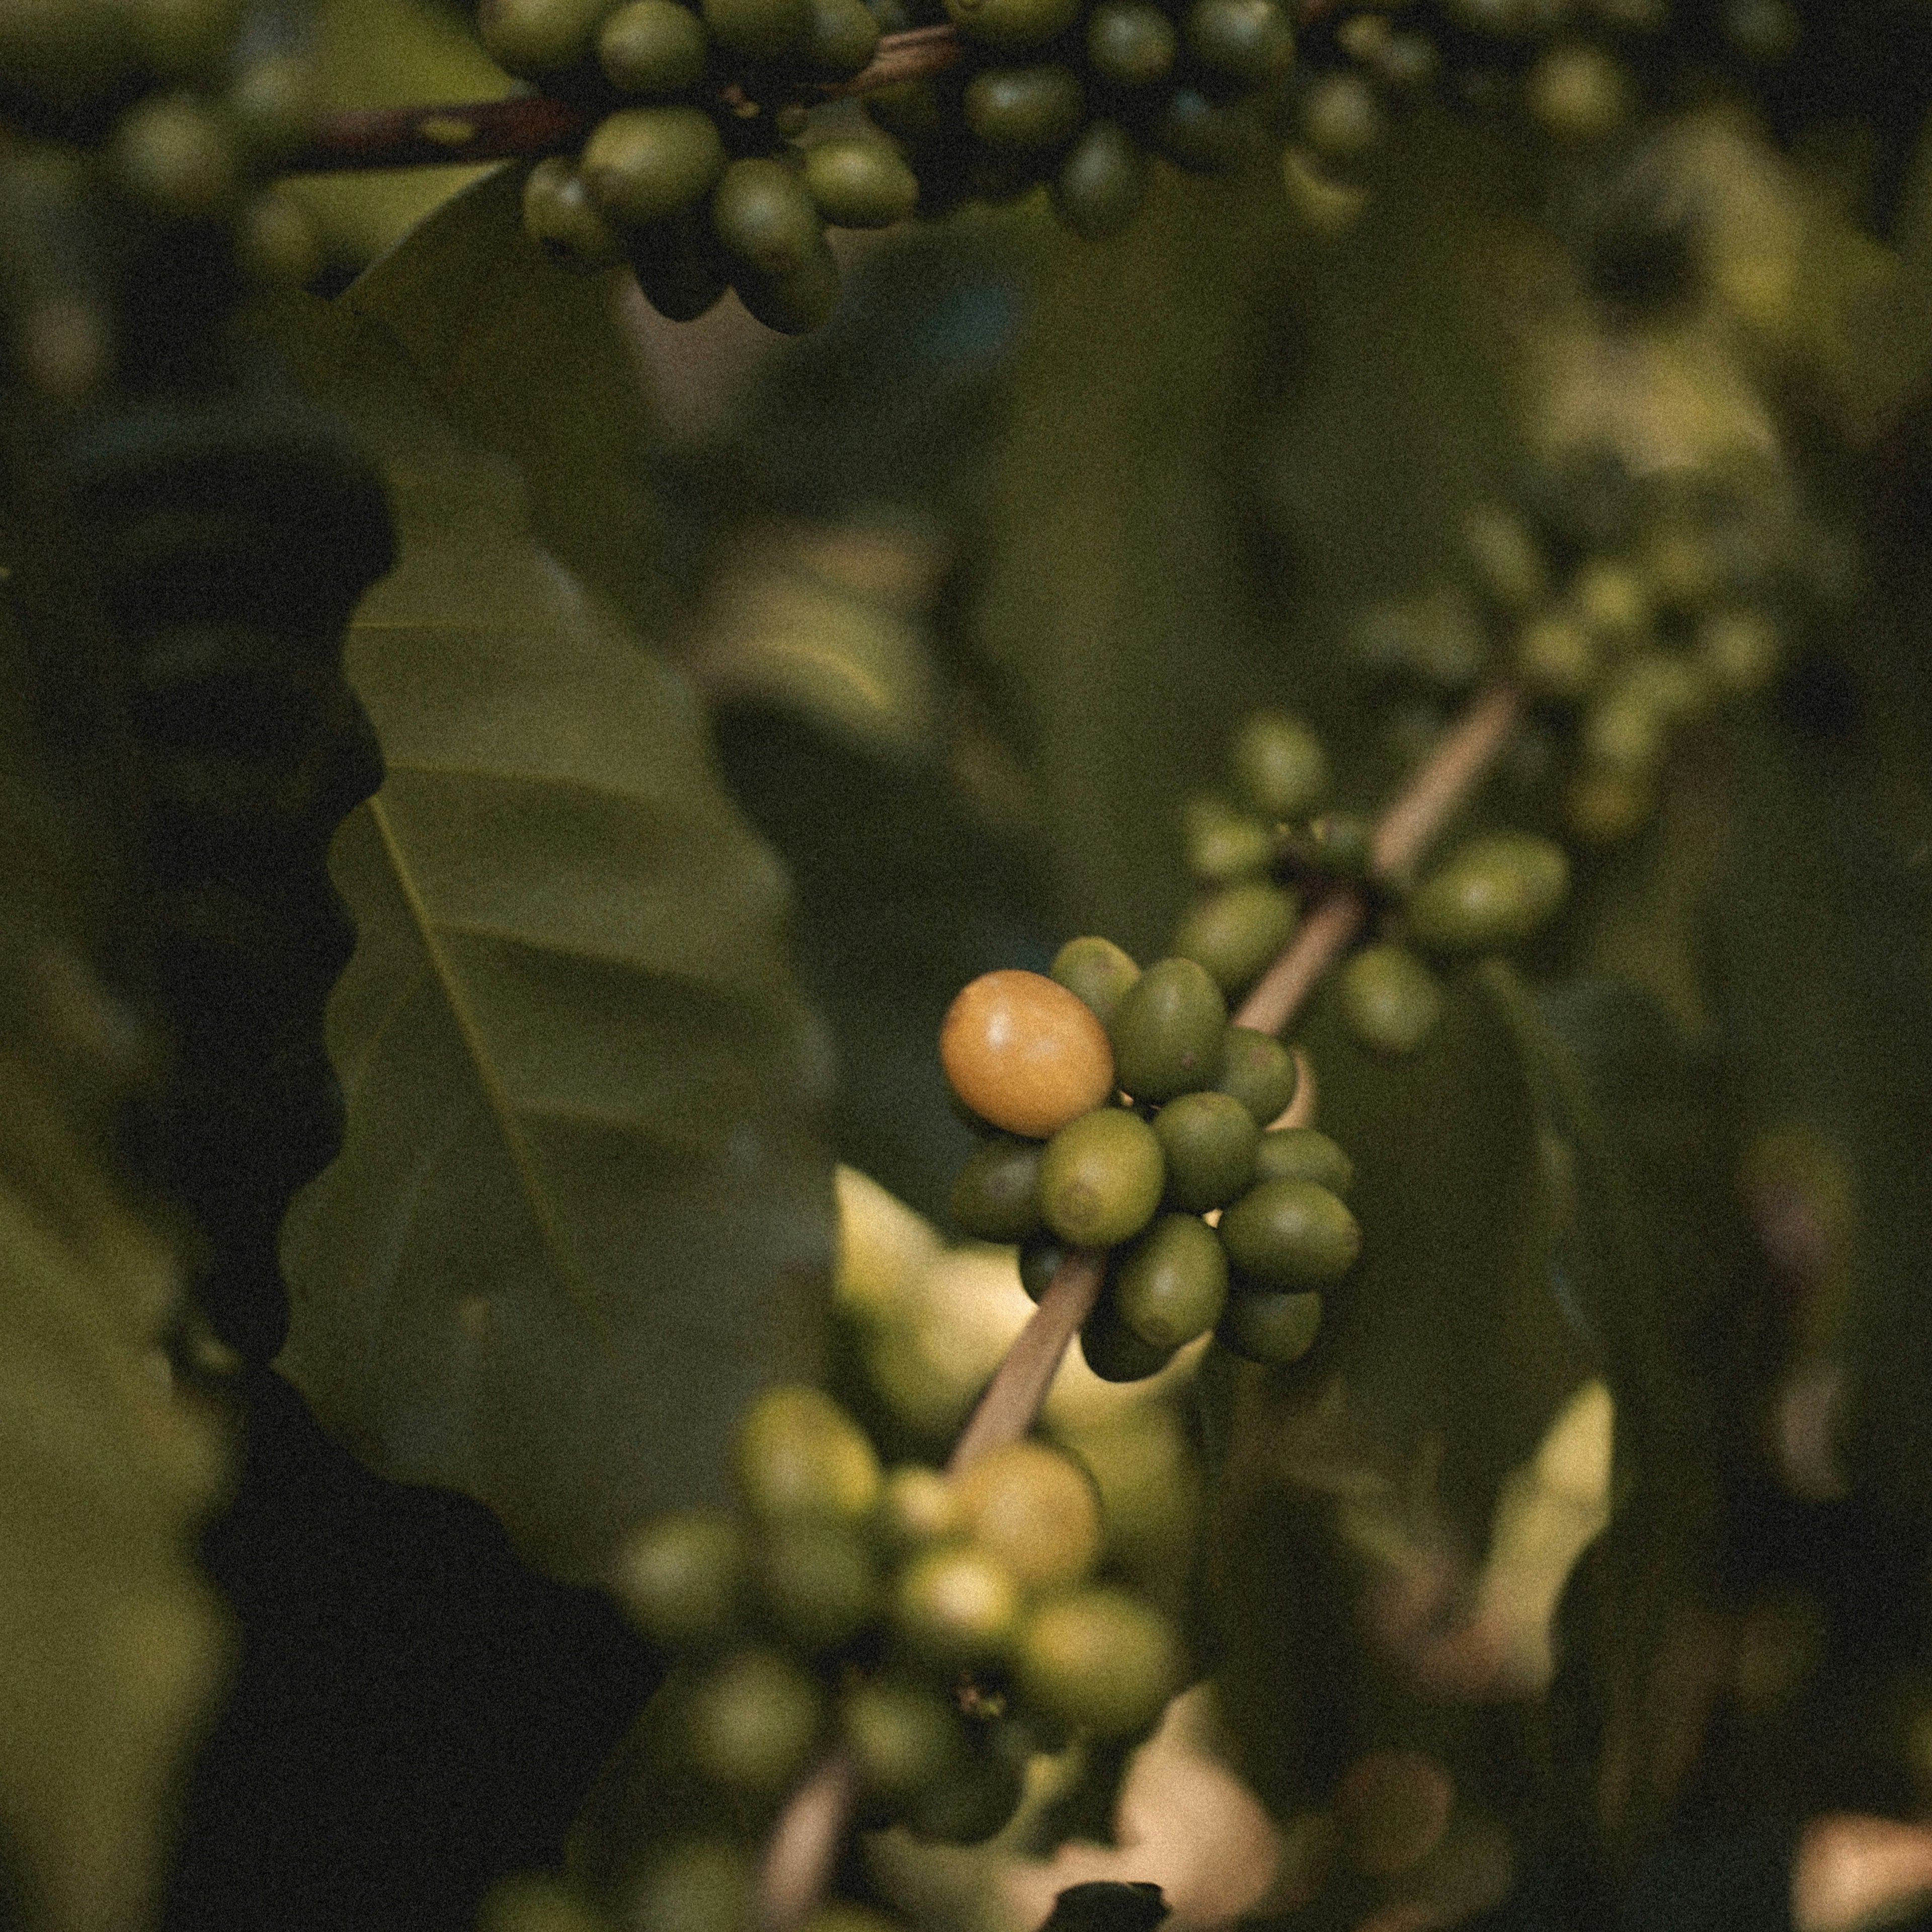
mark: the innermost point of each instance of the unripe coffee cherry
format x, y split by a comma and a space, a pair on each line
1036, 1511
1101, 1660
1024, 1054
1101, 1180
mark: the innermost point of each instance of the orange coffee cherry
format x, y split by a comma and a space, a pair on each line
1024, 1054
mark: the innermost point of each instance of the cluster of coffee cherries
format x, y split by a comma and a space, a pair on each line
1124, 1114
1264, 847
1572, 67
1625, 625
931, 1632
178, 109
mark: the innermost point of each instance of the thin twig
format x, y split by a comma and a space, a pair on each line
804, 1845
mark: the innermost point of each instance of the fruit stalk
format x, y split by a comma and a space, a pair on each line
804, 1843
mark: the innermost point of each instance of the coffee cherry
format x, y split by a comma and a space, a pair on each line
977, 1800
917, 1508
1612, 600
1097, 973
1273, 1328
652, 46
1291, 1233
560, 216
535, 40
1259, 1072
1580, 93
818, 1583
535, 1902
680, 1578
698, 1885
1250, 41
1012, 23
1101, 182
1224, 844
1741, 650
1207, 1143
1556, 658
764, 219
1341, 119
903, 1738
956, 1607
1505, 559
764, 29
1167, 1031
752, 1723
1390, 999
1130, 42
1236, 933
644, 164
1280, 770
1301, 1154
844, 35
799, 1457
674, 262
1113, 1351
1034, 1511
860, 184
1024, 1054
1021, 107
1495, 892
1100, 1661
172, 155
1101, 1180
1203, 136
794, 300
996, 1197
1173, 1283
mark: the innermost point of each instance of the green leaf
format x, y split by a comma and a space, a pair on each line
529, 360
112, 1645
582, 1209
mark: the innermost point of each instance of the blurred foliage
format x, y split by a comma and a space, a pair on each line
581, 1205
115, 1645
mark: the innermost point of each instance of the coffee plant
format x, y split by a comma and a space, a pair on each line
1104, 1102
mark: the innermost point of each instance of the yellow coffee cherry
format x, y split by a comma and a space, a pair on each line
1024, 1054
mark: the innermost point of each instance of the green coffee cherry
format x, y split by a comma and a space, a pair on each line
1280, 769
1678, 688
644, 164
680, 1578
675, 271
536, 40
1390, 999
977, 1802
1291, 1233
1100, 1661
1100, 1179
843, 38
800, 299
1611, 599
1040, 1261
818, 1583
1224, 844
273, 104
1625, 731
1341, 119
1024, 107
1207, 1142
1173, 1283
1556, 658
700, 1884
172, 155
1505, 560
561, 217
996, 1197
1301, 1154
1097, 973
1741, 650
752, 1723
652, 46
1259, 1072
276, 243
1496, 891
1113, 1351
954, 1608
1130, 42
918, 1508
764, 217
1167, 1031
1579, 92
903, 1738
1250, 41
1012, 23
1274, 1329
1101, 182
764, 29
1036, 1511
1236, 933
860, 184
798, 1456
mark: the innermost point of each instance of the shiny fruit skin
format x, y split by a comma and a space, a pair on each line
1207, 1141
996, 1195
1025, 1055
955, 1608
680, 1578
1036, 1511
1173, 1284
1167, 1031
1099, 1660
1259, 1072
1291, 1233
798, 1456
1272, 1327
1303, 1153
1097, 973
